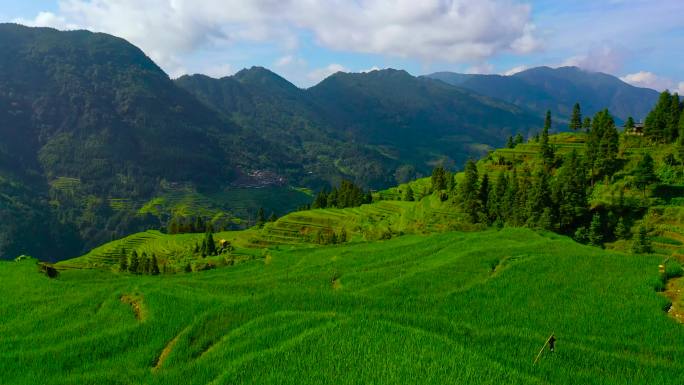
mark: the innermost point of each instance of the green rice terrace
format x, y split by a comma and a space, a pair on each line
406, 289
446, 308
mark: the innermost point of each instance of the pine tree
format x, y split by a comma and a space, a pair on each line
468, 192
408, 194
123, 262
199, 225
135, 264
586, 123
539, 198
673, 115
154, 270
547, 121
321, 200
621, 230
438, 179
342, 238
576, 120
642, 244
644, 174
510, 206
656, 123
569, 192
595, 235
209, 245
144, 266
629, 124
260, 218
483, 197
272, 218
509, 143
497, 199
518, 139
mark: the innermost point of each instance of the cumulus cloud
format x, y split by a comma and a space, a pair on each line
604, 58
451, 30
650, 80
319, 74
47, 19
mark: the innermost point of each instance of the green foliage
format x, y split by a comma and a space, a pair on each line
642, 243
408, 194
595, 234
439, 179
346, 195
576, 118
469, 192
644, 175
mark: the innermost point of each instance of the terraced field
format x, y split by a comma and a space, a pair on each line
446, 308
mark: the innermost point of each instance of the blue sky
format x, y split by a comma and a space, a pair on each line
306, 40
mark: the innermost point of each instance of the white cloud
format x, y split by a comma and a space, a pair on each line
219, 71
515, 70
451, 30
321, 73
374, 68
605, 58
48, 19
650, 80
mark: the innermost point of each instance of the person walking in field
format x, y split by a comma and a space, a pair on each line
552, 343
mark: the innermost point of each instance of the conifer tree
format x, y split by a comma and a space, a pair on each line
154, 270
586, 123
209, 245
656, 123
272, 218
569, 192
518, 139
629, 124
547, 121
539, 198
511, 200
621, 230
123, 262
135, 264
509, 143
468, 191
497, 199
260, 218
595, 235
438, 179
642, 244
644, 174
321, 200
408, 194
576, 120
143, 266
673, 115
483, 197
200, 227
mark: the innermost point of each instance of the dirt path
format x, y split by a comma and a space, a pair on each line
165, 353
136, 305
673, 291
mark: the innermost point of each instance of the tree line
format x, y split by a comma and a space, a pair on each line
347, 194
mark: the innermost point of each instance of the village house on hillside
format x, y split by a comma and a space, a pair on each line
638, 130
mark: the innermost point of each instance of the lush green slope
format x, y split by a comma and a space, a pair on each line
450, 308
558, 89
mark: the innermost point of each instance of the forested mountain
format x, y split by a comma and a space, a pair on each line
557, 89
91, 129
365, 124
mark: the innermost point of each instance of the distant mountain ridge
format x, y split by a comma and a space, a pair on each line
557, 89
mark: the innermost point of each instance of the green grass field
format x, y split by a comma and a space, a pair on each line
445, 308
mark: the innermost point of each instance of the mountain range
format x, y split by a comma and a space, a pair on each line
87, 119
558, 89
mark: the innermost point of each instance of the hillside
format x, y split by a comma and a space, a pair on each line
366, 125
448, 308
94, 133
544, 88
